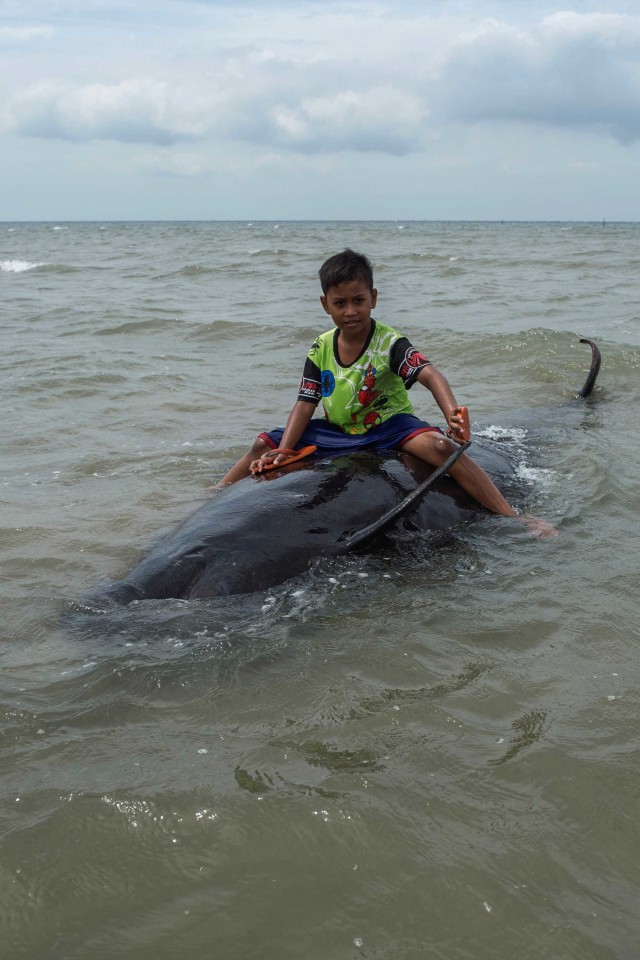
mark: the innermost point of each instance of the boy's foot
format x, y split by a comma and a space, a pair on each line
538, 527
218, 486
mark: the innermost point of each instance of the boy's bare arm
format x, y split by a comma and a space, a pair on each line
297, 423
431, 378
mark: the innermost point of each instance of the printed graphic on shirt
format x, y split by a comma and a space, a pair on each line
328, 382
367, 394
310, 388
412, 364
371, 419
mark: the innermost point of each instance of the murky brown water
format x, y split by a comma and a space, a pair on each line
433, 755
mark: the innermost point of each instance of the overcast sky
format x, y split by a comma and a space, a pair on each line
296, 109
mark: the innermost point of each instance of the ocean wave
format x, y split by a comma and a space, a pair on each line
189, 270
239, 330
41, 266
540, 478
146, 326
19, 266
515, 435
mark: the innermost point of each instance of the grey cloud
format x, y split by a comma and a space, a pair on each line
571, 71
11, 36
272, 103
138, 110
381, 118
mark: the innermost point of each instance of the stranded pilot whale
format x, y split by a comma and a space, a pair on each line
264, 530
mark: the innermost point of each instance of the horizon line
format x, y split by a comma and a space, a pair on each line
248, 220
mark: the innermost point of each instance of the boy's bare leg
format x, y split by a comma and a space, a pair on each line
434, 448
242, 468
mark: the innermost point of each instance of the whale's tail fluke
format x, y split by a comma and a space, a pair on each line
596, 360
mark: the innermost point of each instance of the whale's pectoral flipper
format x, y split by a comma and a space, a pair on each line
360, 537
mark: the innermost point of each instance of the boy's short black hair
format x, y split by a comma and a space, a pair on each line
344, 268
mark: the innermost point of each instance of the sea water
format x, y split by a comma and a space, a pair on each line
429, 751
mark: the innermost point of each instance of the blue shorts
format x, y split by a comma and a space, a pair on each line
330, 439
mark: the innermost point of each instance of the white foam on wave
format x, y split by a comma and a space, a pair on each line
515, 437
536, 476
495, 432
18, 266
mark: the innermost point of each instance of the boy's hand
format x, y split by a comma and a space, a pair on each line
459, 427
281, 458
273, 457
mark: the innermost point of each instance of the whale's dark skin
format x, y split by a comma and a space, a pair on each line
263, 530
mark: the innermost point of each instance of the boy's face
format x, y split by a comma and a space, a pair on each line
349, 305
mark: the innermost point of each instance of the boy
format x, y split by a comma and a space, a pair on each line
361, 371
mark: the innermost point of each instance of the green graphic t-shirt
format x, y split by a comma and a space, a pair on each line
368, 391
